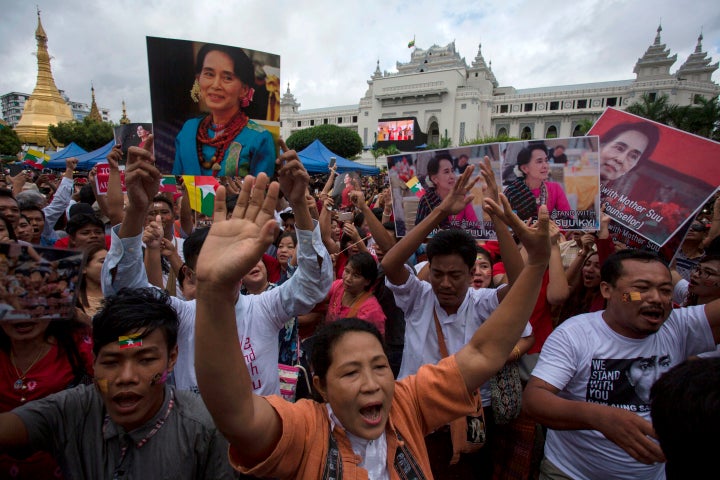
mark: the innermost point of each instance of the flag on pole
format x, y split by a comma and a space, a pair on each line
36, 158
411, 43
201, 193
168, 184
415, 187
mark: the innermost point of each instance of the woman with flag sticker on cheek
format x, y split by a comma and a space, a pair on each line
131, 417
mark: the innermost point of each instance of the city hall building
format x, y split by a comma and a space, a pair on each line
449, 98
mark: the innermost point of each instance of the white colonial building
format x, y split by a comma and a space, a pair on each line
450, 98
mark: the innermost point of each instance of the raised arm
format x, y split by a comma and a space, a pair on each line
231, 250
557, 289
380, 235
142, 181
114, 201
455, 202
152, 238
326, 225
492, 343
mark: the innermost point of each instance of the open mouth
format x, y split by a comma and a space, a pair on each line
24, 327
126, 402
372, 413
654, 315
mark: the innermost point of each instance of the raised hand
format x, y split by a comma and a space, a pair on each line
142, 178
293, 177
153, 233
70, 166
491, 188
458, 197
535, 239
357, 197
114, 157
234, 246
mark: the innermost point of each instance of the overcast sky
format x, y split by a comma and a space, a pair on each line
329, 49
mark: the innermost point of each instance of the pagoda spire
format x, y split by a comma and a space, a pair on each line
94, 112
124, 120
45, 106
656, 62
697, 67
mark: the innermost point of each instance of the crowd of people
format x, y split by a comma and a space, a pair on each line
297, 332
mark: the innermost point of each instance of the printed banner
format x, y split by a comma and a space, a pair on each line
38, 283
131, 135
215, 108
567, 183
654, 177
102, 177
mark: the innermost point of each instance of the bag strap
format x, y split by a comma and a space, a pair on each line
358, 303
440, 335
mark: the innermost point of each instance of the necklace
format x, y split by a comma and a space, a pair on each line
20, 382
224, 135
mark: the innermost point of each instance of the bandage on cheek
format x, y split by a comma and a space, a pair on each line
159, 378
631, 297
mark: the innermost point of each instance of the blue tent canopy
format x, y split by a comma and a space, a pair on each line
57, 159
88, 160
316, 158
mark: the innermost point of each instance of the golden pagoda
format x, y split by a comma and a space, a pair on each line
45, 106
94, 112
124, 120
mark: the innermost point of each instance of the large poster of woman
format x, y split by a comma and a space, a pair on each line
654, 177
570, 190
215, 108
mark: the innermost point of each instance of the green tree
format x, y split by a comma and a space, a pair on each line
498, 139
10, 144
339, 140
655, 109
585, 125
89, 134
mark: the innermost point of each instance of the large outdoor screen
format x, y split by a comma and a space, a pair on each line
397, 130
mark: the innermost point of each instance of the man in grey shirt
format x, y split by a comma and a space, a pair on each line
130, 423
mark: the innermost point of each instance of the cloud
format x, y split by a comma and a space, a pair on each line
329, 49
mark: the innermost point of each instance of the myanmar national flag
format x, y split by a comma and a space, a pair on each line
129, 341
168, 184
415, 187
201, 193
36, 158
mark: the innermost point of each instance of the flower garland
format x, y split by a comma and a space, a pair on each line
224, 135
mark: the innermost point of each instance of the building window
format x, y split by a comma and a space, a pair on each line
652, 96
365, 132
462, 132
577, 131
312, 122
339, 120
504, 108
526, 133
582, 103
281, 123
528, 107
325, 121
366, 113
554, 105
611, 101
502, 132
551, 132
463, 106
299, 123
354, 118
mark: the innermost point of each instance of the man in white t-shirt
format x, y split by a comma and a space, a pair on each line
590, 384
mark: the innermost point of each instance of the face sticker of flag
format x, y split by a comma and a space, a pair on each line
168, 184
129, 341
36, 158
201, 193
415, 187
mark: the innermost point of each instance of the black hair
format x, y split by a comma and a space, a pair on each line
6, 192
86, 194
378, 212
612, 267
650, 131
81, 220
685, 411
485, 253
358, 219
285, 234
433, 166
27, 207
242, 65
329, 334
453, 241
364, 264
230, 202
162, 198
9, 227
193, 244
135, 310
523, 157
